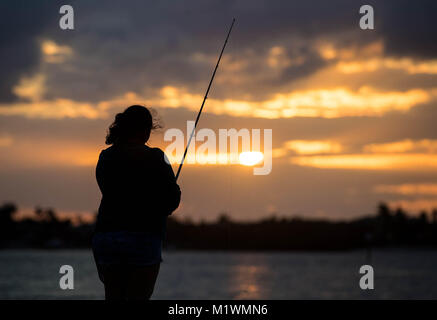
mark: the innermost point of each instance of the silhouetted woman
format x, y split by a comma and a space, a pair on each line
139, 191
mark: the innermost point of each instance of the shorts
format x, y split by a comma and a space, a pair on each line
127, 248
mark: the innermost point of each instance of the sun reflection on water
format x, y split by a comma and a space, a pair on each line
246, 281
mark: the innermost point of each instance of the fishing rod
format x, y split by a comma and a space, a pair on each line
204, 99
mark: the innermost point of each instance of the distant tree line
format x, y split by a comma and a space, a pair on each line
44, 230
388, 227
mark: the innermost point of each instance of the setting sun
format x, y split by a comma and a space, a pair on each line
250, 158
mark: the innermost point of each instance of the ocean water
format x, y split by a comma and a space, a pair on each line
398, 274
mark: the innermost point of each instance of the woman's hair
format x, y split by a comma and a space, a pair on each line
135, 121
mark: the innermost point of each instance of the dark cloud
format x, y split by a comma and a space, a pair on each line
127, 46
21, 23
293, 72
123, 47
409, 28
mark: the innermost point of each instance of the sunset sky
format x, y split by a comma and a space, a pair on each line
353, 112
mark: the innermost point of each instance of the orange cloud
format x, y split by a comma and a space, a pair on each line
54, 53
32, 88
371, 58
322, 102
407, 145
278, 58
53, 109
329, 51
313, 146
414, 162
405, 64
328, 103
